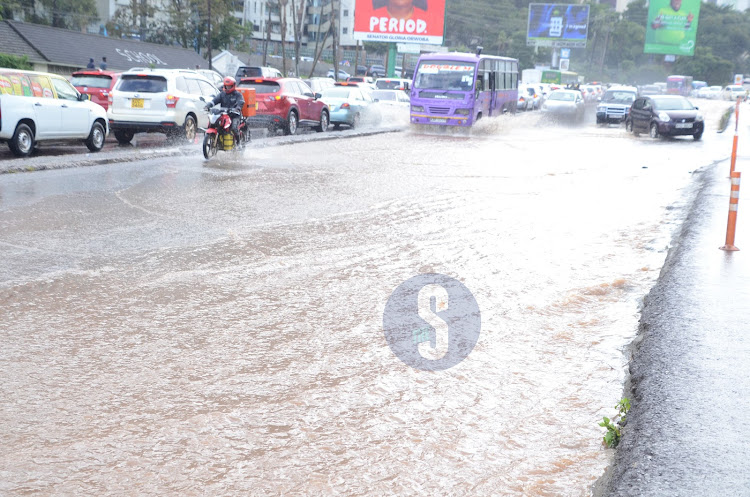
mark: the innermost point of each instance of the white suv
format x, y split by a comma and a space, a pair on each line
41, 107
159, 101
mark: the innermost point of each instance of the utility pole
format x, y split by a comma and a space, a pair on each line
334, 24
268, 33
210, 66
143, 20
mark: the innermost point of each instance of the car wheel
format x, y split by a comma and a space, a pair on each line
95, 141
189, 129
654, 130
323, 122
291, 123
124, 137
628, 126
698, 136
355, 121
22, 143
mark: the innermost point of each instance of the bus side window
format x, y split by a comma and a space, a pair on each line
480, 81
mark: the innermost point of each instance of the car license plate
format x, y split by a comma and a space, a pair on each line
437, 119
683, 125
136, 103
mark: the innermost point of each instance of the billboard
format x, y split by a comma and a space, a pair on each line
671, 27
399, 21
558, 25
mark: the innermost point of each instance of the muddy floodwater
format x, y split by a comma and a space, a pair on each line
178, 327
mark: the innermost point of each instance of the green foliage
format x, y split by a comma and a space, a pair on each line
14, 62
614, 425
67, 14
724, 121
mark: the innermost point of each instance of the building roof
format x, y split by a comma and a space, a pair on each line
72, 48
13, 44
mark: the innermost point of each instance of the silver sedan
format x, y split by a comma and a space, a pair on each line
564, 104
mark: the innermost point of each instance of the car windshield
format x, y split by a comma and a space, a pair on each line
562, 95
388, 84
384, 95
445, 75
249, 72
672, 104
143, 84
92, 81
261, 87
337, 93
615, 96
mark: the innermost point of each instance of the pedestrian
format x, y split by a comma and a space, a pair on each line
91, 64
103, 63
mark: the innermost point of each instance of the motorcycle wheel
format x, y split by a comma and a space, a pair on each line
209, 145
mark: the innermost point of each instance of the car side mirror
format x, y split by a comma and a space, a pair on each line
318, 95
696, 107
202, 99
82, 97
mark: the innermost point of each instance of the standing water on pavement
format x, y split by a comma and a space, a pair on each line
182, 328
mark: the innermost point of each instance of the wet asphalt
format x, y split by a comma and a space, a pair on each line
687, 432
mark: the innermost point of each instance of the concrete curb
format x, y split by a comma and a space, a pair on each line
49, 163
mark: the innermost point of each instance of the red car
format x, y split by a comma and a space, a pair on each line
96, 83
287, 104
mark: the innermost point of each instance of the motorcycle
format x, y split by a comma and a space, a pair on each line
219, 136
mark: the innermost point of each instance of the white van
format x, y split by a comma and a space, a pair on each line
37, 107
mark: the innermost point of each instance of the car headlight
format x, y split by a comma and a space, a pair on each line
600, 108
462, 112
698, 117
663, 117
417, 108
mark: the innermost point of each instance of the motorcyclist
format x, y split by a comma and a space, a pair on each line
230, 99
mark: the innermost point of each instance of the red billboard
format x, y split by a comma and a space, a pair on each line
400, 21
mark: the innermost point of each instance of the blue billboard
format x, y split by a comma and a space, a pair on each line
558, 25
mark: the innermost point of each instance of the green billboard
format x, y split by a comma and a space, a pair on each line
671, 27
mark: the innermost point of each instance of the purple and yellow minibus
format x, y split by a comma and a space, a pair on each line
458, 89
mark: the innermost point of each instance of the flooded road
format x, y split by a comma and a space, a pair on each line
177, 327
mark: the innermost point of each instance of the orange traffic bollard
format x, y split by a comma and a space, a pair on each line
734, 200
734, 143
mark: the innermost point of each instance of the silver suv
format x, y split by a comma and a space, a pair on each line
615, 104
159, 101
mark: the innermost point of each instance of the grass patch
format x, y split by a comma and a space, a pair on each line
614, 425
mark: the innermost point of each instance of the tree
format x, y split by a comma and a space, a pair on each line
15, 62
67, 14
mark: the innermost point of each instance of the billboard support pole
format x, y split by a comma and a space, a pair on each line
390, 68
